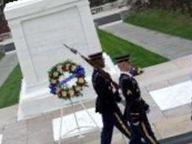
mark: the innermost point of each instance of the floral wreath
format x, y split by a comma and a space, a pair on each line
62, 74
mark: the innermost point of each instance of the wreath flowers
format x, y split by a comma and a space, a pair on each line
62, 80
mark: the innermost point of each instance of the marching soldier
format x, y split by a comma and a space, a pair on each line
136, 108
106, 102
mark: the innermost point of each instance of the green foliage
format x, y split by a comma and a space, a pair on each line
174, 23
184, 5
94, 3
10, 90
115, 47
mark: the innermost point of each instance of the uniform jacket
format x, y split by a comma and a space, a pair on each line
135, 105
106, 99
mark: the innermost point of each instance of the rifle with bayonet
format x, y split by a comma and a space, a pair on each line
100, 70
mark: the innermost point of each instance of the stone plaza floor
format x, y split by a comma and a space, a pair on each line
166, 123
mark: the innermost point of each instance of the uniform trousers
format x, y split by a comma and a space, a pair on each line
142, 129
108, 125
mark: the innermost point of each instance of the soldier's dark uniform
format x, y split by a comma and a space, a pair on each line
135, 111
107, 106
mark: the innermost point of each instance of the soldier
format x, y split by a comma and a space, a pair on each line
106, 102
136, 108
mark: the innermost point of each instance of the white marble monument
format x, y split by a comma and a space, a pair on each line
39, 29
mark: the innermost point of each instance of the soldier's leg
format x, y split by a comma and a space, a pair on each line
147, 133
121, 123
148, 127
136, 136
107, 131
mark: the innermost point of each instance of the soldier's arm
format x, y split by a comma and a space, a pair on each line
137, 95
127, 88
117, 96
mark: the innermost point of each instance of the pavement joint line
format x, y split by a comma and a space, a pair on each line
110, 24
1, 138
10, 52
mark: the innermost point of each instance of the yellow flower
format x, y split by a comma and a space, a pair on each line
64, 94
59, 68
56, 74
81, 80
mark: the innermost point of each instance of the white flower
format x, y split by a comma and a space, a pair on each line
53, 81
71, 93
67, 66
73, 67
58, 90
78, 88
59, 68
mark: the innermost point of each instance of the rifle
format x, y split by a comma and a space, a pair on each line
100, 70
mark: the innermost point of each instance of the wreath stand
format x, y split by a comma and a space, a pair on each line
76, 121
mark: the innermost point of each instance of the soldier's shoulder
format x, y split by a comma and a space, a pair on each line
134, 81
124, 77
96, 76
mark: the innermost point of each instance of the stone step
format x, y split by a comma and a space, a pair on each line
166, 71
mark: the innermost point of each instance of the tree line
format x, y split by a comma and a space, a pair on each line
185, 6
99, 2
